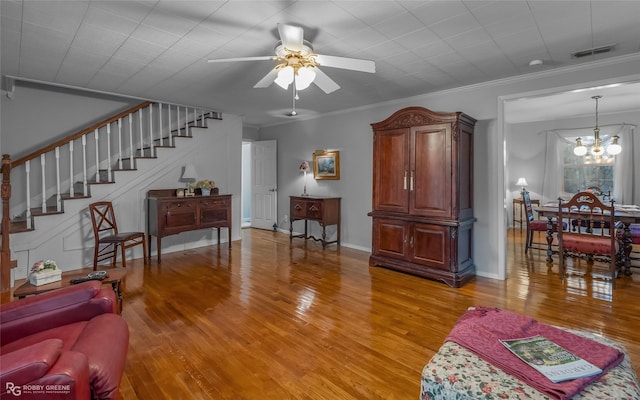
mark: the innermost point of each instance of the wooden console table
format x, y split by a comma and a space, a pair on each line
168, 214
324, 210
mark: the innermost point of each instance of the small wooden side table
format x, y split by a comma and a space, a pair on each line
323, 210
520, 203
114, 278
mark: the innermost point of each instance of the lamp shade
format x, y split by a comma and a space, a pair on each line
304, 166
614, 148
580, 149
304, 77
522, 182
189, 173
285, 77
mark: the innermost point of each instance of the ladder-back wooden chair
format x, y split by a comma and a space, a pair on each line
108, 238
589, 240
534, 225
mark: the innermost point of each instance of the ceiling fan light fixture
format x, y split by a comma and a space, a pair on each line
285, 77
304, 77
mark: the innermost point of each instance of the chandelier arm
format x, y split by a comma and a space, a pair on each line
597, 150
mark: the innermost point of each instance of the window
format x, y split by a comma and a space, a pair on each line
581, 172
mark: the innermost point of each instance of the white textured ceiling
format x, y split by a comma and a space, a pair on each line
158, 49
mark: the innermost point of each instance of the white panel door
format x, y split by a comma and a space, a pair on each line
264, 195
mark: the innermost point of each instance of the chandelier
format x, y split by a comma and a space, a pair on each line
598, 149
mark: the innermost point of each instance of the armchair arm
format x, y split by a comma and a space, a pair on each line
68, 379
53, 309
29, 363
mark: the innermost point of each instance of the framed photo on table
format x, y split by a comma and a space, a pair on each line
326, 164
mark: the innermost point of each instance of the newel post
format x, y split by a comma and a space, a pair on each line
5, 251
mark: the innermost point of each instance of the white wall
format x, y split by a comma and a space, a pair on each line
349, 132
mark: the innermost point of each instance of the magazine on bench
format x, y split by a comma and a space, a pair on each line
550, 359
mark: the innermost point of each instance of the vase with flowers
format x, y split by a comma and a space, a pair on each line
44, 271
204, 187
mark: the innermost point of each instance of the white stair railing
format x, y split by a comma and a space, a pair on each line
157, 128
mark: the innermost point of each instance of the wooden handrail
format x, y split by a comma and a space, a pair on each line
78, 135
5, 251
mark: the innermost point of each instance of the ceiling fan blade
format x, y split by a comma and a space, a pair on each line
354, 64
291, 36
267, 80
258, 58
325, 83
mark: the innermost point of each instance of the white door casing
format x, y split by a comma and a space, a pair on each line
264, 195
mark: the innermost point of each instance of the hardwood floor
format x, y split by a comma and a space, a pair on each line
266, 320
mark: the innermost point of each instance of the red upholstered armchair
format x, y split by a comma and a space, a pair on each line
595, 240
64, 344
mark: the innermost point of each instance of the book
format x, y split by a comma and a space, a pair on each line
551, 359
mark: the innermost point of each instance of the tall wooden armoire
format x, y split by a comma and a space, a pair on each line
423, 194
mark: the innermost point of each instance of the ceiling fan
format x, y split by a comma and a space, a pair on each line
297, 64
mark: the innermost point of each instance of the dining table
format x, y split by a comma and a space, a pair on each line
624, 215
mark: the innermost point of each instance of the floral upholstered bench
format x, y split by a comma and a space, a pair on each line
455, 373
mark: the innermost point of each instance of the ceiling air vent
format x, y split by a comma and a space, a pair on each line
593, 51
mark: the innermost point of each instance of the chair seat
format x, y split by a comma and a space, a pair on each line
121, 236
540, 225
587, 244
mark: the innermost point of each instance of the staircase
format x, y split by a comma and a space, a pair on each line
85, 165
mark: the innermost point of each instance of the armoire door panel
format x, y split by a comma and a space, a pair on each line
431, 160
390, 238
391, 169
431, 245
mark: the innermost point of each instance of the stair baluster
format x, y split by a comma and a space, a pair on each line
151, 147
27, 167
109, 177
131, 155
160, 118
170, 124
58, 195
119, 143
95, 134
85, 186
140, 131
71, 189
43, 165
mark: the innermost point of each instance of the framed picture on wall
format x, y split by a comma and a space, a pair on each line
326, 164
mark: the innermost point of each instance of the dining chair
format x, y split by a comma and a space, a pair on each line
593, 243
603, 196
108, 238
534, 225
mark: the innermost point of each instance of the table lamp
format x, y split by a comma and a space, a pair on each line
522, 182
189, 176
304, 167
